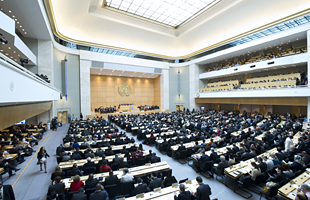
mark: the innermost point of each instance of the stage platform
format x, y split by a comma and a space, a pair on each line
105, 115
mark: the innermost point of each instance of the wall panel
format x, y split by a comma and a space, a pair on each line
104, 91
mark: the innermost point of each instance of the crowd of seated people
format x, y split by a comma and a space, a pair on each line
146, 107
44, 77
262, 134
256, 58
92, 142
289, 79
106, 109
125, 104
16, 144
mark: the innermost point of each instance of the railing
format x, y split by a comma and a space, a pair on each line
298, 86
15, 66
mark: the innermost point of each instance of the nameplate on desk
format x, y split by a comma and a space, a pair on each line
148, 164
188, 182
140, 196
157, 189
174, 185
7, 157
123, 198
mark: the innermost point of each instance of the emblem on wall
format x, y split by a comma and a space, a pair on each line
124, 90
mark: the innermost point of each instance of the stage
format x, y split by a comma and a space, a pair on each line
105, 115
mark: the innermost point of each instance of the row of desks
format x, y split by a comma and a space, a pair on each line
80, 163
114, 147
271, 84
135, 171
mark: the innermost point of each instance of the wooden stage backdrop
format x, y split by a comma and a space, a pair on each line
104, 91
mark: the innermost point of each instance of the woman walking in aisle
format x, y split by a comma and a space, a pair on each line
42, 156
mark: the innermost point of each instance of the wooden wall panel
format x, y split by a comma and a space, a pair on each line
256, 101
11, 115
104, 91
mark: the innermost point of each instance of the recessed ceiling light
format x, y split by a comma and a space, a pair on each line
9, 47
110, 74
120, 75
25, 32
20, 26
17, 22
15, 19
11, 56
99, 73
10, 11
6, 54
14, 51
23, 29
18, 55
15, 59
13, 16
1, 49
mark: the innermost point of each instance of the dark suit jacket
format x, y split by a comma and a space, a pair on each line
213, 156
110, 180
155, 183
122, 164
203, 192
79, 196
99, 195
89, 165
181, 148
8, 193
155, 159
58, 188
281, 156
91, 183
183, 196
142, 188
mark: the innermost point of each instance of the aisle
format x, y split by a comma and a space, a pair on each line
33, 183
180, 172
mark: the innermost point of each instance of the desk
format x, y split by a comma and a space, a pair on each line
80, 163
135, 171
167, 193
271, 84
192, 144
107, 139
235, 82
289, 190
114, 147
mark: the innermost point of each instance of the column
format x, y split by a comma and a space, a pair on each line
45, 66
217, 106
308, 55
164, 90
85, 87
193, 85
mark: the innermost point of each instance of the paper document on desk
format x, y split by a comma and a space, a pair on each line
7, 157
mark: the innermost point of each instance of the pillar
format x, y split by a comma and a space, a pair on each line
164, 90
193, 85
308, 109
45, 66
85, 87
217, 106
308, 56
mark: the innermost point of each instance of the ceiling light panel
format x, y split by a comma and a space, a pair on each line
169, 12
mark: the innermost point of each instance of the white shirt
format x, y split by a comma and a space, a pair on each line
288, 144
126, 178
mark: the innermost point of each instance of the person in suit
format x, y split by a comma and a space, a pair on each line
100, 193
58, 187
122, 164
281, 156
202, 161
141, 188
76, 156
80, 195
220, 167
181, 148
280, 175
155, 159
6, 192
111, 179
213, 156
184, 195
89, 164
262, 165
91, 182
203, 192
116, 160
74, 171
155, 182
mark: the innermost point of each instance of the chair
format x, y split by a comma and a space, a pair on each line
70, 194
88, 191
242, 185
58, 159
89, 170
121, 196
114, 166
181, 156
144, 178
272, 192
140, 162
152, 141
183, 180
127, 188
112, 190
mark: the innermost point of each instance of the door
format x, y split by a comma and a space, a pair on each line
64, 117
59, 116
177, 107
181, 107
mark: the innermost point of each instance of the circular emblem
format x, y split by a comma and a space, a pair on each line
124, 90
